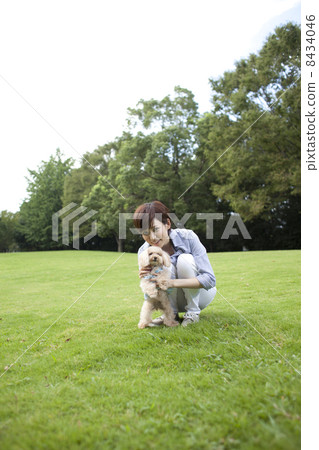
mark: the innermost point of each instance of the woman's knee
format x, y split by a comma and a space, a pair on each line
186, 266
207, 297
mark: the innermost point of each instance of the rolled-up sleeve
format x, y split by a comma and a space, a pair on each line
206, 275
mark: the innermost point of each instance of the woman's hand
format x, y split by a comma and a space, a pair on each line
144, 271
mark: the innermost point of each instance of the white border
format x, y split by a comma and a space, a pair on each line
310, 247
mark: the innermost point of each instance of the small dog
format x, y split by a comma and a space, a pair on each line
157, 296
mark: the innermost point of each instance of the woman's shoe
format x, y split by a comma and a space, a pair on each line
190, 318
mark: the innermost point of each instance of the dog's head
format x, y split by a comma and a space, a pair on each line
154, 256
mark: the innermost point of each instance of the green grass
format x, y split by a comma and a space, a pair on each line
95, 381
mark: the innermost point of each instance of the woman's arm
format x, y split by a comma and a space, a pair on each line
190, 283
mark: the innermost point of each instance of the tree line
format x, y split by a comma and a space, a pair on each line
242, 157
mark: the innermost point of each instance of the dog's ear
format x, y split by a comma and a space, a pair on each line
144, 259
166, 259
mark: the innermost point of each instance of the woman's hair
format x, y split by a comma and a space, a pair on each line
146, 213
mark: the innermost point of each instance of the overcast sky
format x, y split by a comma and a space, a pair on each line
81, 64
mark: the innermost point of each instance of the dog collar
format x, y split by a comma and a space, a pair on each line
152, 276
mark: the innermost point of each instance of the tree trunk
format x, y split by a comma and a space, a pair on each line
120, 243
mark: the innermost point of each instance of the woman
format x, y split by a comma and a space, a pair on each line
192, 278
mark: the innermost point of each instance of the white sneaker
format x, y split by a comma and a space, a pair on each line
190, 318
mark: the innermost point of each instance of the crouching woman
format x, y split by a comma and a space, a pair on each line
193, 284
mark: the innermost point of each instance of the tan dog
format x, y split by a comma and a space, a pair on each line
157, 296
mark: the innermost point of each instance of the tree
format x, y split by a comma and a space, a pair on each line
45, 188
8, 222
79, 182
173, 122
150, 161
118, 189
252, 137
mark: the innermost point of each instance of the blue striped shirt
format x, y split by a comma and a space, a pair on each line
186, 241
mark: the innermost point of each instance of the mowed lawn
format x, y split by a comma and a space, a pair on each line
93, 380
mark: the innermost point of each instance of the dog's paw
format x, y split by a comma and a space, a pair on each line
152, 293
171, 323
163, 284
142, 325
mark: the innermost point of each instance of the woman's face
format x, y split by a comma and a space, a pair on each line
158, 233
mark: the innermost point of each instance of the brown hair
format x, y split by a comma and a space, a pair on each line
146, 213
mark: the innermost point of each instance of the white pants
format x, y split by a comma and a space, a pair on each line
184, 299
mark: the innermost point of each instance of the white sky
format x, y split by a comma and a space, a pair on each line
81, 64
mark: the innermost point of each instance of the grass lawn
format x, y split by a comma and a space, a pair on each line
95, 381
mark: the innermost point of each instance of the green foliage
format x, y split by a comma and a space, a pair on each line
250, 144
170, 153
79, 182
8, 224
180, 111
261, 78
261, 170
148, 166
45, 198
94, 380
